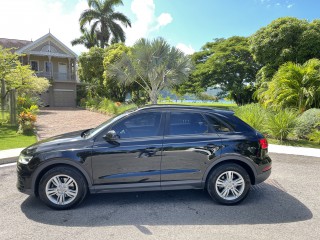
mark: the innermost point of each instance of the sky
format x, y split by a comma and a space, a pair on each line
186, 24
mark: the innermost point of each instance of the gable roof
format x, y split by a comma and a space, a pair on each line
13, 43
28, 49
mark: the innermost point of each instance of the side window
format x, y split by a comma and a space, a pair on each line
216, 125
187, 123
139, 125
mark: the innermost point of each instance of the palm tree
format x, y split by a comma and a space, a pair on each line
294, 85
87, 39
152, 65
104, 21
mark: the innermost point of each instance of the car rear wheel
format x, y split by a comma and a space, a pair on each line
229, 184
62, 188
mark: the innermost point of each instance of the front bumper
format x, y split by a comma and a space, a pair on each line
24, 179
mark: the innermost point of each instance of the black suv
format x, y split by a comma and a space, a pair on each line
152, 148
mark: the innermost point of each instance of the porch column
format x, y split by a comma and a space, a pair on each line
69, 69
50, 65
75, 70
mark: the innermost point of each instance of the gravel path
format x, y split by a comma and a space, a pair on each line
55, 121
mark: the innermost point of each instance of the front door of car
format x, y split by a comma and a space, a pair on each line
135, 156
189, 148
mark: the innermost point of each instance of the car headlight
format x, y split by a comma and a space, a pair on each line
24, 159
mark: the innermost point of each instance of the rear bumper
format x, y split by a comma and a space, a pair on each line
262, 177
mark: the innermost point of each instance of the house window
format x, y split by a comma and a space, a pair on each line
47, 66
34, 65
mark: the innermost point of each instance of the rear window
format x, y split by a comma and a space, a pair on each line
236, 123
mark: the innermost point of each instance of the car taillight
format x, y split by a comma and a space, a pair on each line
263, 143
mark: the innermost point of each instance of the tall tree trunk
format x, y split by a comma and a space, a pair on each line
154, 97
3, 94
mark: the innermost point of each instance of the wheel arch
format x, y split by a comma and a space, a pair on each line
45, 167
241, 161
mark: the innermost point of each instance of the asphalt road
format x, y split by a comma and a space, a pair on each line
287, 206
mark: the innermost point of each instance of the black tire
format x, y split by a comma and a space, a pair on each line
228, 192
71, 191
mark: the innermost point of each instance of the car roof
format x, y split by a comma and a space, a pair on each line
186, 107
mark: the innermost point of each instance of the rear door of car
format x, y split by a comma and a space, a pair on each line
189, 148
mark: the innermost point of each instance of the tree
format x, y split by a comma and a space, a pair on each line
104, 21
115, 90
229, 64
87, 39
24, 80
283, 40
153, 65
294, 85
91, 71
8, 61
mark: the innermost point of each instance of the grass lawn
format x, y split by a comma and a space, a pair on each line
10, 139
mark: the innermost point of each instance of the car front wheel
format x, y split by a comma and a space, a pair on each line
62, 188
229, 184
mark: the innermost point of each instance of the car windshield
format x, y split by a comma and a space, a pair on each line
102, 126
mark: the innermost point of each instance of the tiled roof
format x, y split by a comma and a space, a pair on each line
13, 43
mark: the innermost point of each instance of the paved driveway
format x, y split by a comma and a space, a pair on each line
285, 207
55, 121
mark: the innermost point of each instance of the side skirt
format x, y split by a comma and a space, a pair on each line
141, 187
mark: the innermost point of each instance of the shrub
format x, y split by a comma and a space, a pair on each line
281, 123
306, 122
25, 103
105, 105
254, 115
314, 136
26, 122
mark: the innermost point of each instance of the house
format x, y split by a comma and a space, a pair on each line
50, 58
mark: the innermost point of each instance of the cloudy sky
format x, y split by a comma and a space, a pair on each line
187, 24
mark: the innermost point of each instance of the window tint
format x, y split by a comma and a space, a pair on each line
187, 123
139, 125
216, 125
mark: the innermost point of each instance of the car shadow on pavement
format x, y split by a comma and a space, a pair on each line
266, 204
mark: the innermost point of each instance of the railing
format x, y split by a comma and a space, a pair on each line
57, 76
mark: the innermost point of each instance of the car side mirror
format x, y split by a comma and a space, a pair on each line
111, 136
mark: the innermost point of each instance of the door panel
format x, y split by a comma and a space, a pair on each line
135, 157
189, 147
128, 161
187, 157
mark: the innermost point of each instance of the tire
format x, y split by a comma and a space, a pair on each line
62, 188
229, 184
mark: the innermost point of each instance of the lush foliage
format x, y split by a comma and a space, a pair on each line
295, 86
87, 39
307, 122
23, 79
286, 39
105, 105
115, 89
227, 63
255, 115
281, 123
315, 134
275, 124
153, 65
91, 71
27, 111
105, 24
